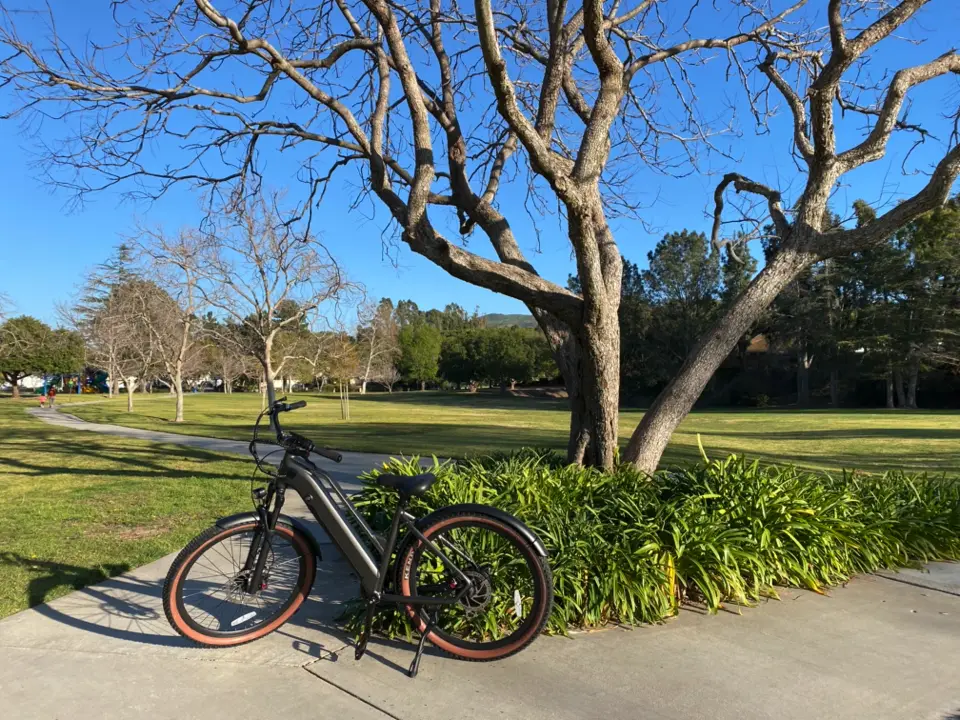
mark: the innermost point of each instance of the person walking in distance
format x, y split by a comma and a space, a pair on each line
52, 396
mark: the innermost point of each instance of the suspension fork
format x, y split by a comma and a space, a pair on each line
257, 557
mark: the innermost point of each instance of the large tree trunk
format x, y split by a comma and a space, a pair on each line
898, 386
363, 387
14, 381
14, 385
178, 391
672, 405
912, 379
803, 378
594, 405
269, 382
131, 386
113, 382
423, 385
889, 383
834, 388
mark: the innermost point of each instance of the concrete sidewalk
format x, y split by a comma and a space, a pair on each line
879, 648
875, 649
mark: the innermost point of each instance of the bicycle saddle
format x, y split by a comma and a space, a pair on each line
408, 484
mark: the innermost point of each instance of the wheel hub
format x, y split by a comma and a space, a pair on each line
479, 594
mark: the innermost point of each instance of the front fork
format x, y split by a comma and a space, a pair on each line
257, 557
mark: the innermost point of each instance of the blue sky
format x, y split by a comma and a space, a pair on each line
46, 246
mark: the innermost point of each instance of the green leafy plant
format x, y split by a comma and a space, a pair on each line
628, 549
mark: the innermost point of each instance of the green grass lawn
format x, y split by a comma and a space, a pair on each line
458, 425
78, 507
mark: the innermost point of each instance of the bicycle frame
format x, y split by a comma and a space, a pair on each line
320, 493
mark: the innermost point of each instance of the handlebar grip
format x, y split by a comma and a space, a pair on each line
297, 405
328, 454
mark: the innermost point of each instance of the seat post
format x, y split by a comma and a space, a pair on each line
374, 598
402, 502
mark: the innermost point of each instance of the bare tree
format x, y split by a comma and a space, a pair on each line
388, 376
562, 99
170, 314
829, 77
555, 97
265, 278
118, 338
377, 344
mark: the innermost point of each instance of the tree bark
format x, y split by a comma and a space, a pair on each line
912, 379
363, 387
834, 388
423, 385
130, 388
14, 381
178, 391
889, 383
671, 406
898, 386
269, 382
803, 378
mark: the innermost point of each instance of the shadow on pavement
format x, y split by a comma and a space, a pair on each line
130, 609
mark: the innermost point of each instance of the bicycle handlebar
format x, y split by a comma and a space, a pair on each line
297, 441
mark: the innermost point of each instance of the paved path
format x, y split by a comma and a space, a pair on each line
877, 649
346, 472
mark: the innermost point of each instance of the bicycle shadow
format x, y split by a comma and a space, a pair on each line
129, 608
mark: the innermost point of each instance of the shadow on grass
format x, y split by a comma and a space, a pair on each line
20, 444
57, 574
846, 434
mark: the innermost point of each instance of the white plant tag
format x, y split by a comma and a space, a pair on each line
517, 604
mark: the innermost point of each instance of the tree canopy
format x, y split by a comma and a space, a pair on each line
29, 346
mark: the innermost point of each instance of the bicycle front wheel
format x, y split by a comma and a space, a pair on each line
206, 598
511, 589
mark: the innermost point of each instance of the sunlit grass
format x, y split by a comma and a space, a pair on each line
78, 507
460, 425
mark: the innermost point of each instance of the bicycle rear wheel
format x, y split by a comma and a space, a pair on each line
204, 595
512, 594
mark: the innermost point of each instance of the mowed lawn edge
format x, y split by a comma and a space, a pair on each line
78, 507
464, 425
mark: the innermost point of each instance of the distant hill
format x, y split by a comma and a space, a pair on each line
506, 320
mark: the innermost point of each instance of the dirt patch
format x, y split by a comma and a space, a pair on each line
129, 532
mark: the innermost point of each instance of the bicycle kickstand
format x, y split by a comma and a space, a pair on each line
367, 628
415, 665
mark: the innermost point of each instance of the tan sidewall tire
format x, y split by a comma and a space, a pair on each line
186, 558
475, 654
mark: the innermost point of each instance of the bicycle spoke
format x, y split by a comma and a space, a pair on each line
210, 606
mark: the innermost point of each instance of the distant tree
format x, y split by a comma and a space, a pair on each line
223, 356
98, 313
737, 269
682, 285
511, 356
461, 357
419, 353
266, 278
29, 346
377, 344
408, 313
171, 315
